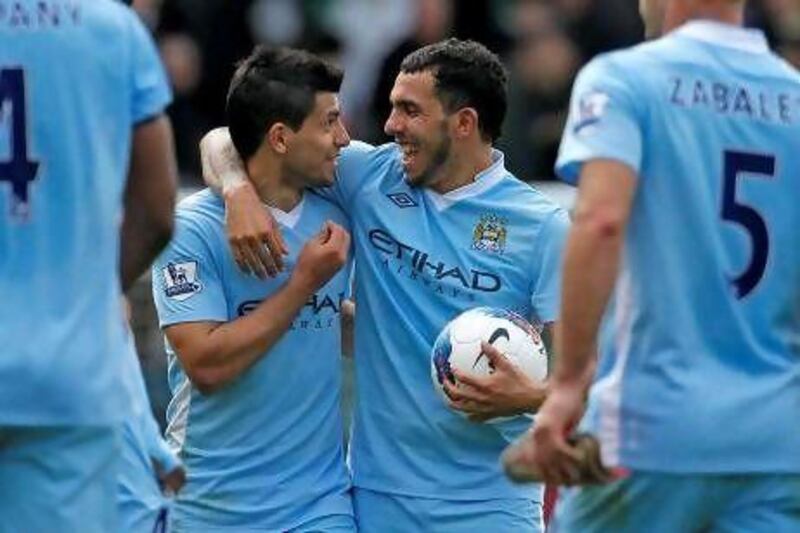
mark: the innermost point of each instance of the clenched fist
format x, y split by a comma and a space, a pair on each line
322, 257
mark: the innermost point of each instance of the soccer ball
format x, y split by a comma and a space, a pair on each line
459, 345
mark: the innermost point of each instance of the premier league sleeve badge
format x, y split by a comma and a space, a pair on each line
180, 280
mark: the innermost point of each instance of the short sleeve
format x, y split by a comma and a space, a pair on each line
546, 285
187, 282
151, 92
351, 173
603, 121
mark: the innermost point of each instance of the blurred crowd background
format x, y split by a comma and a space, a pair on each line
543, 43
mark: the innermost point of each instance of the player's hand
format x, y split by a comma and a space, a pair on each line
254, 235
544, 453
173, 481
507, 391
322, 257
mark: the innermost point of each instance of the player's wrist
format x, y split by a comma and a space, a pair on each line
535, 398
234, 187
570, 383
573, 369
302, 284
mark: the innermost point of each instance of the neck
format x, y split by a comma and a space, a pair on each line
679, 13
462, 168
271, 189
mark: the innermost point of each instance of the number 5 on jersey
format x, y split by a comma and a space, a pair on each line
19, 171
736, 164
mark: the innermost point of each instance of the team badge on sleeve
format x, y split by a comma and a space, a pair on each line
180, 280
591, 108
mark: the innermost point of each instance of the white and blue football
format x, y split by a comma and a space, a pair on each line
459, 345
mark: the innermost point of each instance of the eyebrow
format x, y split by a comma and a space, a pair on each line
404, 102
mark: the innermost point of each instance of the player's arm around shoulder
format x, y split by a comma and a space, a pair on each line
253, 233
215, 354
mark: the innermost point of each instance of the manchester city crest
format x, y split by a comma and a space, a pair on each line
490, 234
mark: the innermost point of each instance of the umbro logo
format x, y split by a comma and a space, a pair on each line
402, 200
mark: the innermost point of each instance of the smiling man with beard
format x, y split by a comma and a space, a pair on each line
439, 226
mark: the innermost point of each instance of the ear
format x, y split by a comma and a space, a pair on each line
278, 137
466, 122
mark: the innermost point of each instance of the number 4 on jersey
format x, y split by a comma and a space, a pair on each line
19, 171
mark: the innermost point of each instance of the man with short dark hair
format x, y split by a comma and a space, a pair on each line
254, 364
418, 208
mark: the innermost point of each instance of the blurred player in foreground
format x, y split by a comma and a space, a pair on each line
686, 234
254, 365
82, 95
440, 226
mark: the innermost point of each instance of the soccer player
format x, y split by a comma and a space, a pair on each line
439, 227
686, 235
254, 365
82, 95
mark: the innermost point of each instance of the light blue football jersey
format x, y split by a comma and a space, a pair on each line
700, 350
141, 502
75, 78
266, 451
424, 258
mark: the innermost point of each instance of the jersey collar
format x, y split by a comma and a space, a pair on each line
727, 35
483, 181
288, 219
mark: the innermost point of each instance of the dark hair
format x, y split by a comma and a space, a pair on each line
467, 75
275, 85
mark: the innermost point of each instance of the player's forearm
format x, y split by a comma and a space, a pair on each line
591, 262
232, 348
223, 169
149, 201
139, 246
590, 267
